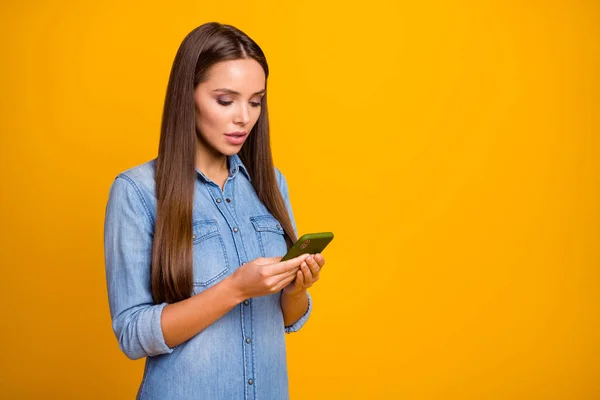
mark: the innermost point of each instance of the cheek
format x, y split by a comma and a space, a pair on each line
211, 118
255, 115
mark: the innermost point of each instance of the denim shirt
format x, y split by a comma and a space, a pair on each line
242, 354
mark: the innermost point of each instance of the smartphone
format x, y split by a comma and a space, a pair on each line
311, 243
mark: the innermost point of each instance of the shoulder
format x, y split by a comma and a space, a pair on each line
281, 182
143, 174
140, 177
134, 190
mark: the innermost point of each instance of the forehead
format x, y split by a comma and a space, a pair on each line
244, 76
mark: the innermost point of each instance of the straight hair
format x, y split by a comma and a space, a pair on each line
172, 253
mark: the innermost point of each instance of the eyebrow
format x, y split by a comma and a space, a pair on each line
225, 90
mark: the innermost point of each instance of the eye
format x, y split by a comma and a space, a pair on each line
223, 102
255, 104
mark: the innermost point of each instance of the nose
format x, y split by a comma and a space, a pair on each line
242, 115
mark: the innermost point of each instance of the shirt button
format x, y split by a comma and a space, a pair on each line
250, 381
278, 227
193, 236
248, 340
228, 200
246, 302
235, 229
219, 200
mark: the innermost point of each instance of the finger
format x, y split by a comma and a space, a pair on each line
314, 267
277, 281
299, 280
285, 274
307, 274
320, 259
288, 265
288, 281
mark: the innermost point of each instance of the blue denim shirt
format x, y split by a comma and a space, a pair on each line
242, 354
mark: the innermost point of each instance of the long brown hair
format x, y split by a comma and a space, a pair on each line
172, 261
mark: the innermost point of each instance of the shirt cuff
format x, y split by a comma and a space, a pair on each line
152, 340
300, 323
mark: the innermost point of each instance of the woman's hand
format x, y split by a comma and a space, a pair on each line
307, 275
265, 276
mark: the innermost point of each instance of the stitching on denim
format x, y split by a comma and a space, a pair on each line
244, 352
220, 274
266, 228
236, 223
224, 253
206, 236
260, 244
139, 192
261, 231
211, 280
231, 211
144, 380
245, 251
213, 232
229, 206
252, 348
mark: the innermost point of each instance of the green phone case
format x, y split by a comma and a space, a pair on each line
311, 243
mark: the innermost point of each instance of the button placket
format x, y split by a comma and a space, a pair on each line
248, 347
228, 213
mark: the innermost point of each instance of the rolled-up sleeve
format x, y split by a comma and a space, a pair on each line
128, 232
300, 323
283, 188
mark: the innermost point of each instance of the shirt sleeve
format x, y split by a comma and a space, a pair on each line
128, 232
286, 199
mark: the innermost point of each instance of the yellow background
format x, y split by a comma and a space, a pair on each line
451, 146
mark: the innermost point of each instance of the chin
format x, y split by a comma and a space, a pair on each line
230, 150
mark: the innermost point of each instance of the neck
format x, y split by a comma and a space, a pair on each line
210, 162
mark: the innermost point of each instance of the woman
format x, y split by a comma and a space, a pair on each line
193, 238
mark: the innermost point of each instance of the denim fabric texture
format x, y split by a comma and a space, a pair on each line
241, 355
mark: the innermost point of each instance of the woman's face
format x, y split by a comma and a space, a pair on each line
228, 104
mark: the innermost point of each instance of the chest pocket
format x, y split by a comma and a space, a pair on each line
210, 258
270, 236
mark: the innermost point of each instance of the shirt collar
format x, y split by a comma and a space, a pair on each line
235, 165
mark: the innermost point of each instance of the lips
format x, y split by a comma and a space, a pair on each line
236, 138
236, 134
